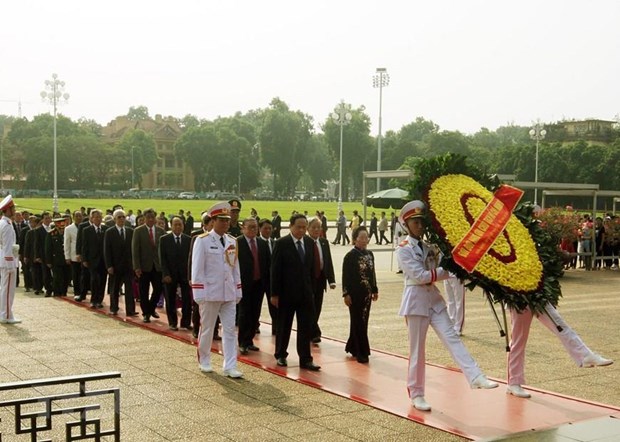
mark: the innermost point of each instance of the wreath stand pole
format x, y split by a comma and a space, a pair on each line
506, 327
502, 333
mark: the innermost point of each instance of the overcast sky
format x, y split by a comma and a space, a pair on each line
463, 64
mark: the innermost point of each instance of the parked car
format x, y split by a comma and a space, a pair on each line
187, 196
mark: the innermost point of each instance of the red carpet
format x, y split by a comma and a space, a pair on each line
457, 409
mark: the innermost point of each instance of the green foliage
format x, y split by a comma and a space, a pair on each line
138, 113
284, 137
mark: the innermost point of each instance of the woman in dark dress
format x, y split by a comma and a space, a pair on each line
359, 286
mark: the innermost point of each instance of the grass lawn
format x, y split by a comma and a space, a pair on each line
263, 208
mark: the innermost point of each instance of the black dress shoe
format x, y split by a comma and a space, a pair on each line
173, 328
281, 362
155, 315
146, 319
195, 333
253, 347
217, 337
316, 340
115, 313
310, 366
243, 350
362, 359
133, 314
99, 305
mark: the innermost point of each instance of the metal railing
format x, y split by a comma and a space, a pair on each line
40, 421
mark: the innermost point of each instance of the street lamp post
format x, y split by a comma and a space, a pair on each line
341, 116
380, 80
537, 133
54, 93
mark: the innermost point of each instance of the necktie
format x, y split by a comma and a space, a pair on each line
222, 241
123, 234
317, 261
178, 241
420, 245
255, 256
300, 250
151, 236
98, 231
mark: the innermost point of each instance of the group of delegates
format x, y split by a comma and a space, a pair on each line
293, 272
423, 306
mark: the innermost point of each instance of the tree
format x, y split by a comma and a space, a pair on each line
138, 113
284, 136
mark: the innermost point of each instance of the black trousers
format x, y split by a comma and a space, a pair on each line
249, 312
85, 282
61, 276
148, 279
304, 310
122, 277
76, 277
171, 302
382, 233
27, 269
98, 277
37, 276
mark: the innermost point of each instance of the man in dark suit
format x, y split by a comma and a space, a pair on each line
254, 269
23, 256
43, 272
85, 273
292, 265
174, 252
276, 223
118, 262
322, 274
93, 259
146, 263
265, 228
189, 224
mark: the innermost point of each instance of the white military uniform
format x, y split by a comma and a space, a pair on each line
8, 269
216, 285
422, 305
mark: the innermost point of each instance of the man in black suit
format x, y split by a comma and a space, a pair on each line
117, 255
189, 224
43, 272
174, 252
35, 278
323, 272
276, 222
292, 265
266, 228
26, 265
93, 258
85, 273
254, 269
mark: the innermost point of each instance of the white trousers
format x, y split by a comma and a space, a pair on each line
209, 311
7, 292
441, 323
455, 294
521, 322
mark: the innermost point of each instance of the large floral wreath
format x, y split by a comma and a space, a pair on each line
522, 267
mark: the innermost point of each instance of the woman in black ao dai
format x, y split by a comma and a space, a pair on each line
359, 286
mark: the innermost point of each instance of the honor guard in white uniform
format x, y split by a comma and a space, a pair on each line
216, 285
422, 305
9, 253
